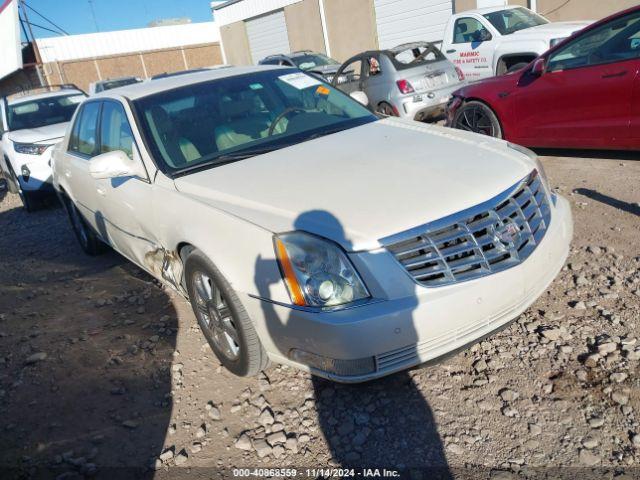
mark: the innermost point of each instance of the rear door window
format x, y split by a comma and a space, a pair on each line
87, 140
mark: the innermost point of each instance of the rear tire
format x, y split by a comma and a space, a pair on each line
222, 318
477, 117
87, 238
386, 109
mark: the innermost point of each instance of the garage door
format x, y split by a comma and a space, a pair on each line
401, 21
267, 35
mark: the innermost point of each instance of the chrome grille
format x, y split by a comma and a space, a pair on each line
486, 239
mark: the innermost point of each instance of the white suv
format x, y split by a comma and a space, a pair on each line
304, 229
31, 123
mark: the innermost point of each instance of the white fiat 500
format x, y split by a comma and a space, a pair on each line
305, 230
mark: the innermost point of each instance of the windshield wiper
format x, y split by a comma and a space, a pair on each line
325, 133
230, 158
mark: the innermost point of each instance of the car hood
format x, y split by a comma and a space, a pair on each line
362, 184
40, 134
549, 30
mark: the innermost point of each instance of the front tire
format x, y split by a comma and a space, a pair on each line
222, 318
477, 117
87, 238
28, 199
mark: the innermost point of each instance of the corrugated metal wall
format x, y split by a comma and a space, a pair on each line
267, 35
402, 21
244, 9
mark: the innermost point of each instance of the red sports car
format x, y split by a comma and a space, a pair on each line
582, 93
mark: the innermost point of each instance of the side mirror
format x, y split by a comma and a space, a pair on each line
485, 36
114, 164
360, 97
539, 67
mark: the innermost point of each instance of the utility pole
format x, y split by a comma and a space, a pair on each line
36, 50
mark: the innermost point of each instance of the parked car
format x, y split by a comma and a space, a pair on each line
314, 63
31, 123
181, 72
102, 85
583, 93
497, 40
304, 229
413, 80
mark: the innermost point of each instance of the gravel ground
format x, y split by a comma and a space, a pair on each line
104, 373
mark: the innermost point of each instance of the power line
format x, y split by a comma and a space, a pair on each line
93, 13
41, 27
45, 18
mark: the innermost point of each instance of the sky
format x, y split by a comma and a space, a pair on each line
74, 16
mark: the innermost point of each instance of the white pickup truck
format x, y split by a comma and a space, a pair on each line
493, 41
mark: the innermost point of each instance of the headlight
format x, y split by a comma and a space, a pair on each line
555, 41
316, 271
30, 148
534, 157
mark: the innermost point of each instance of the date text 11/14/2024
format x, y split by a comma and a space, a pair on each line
316, 472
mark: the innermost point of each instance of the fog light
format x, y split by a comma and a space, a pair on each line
359, 366
26, 173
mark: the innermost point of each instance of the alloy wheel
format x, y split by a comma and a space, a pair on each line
474, 119
214, 315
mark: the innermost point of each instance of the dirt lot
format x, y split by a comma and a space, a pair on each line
104, 373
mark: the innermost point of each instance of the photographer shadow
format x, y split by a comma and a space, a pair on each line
384, 423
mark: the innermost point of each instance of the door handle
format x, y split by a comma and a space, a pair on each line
453, 50
67, 173
615, 75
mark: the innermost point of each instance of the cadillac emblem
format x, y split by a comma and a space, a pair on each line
505, 235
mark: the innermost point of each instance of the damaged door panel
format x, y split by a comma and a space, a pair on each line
166, 265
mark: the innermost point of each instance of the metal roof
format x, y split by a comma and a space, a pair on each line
101, 44
236, 10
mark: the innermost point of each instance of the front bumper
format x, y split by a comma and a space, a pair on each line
407, 331
39, 177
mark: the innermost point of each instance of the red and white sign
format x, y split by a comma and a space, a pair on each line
10, 46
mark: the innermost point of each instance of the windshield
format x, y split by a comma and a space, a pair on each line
514, 19
111, 84
220, 121
312, 60
43, 111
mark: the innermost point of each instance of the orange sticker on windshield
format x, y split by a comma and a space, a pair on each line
322, 90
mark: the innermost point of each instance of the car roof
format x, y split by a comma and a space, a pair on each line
38, 96
408, 46
297, 53
485, 10
115, 79
146, 88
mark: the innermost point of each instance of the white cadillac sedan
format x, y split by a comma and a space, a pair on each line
303, 229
